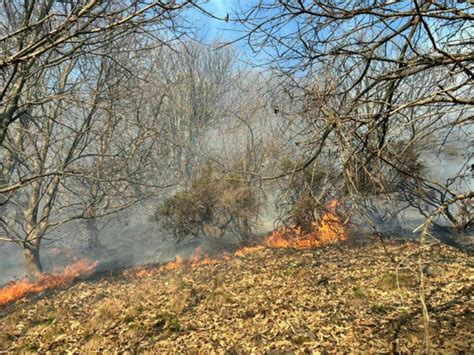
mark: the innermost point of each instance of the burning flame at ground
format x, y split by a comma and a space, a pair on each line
173, 265
195, 261
19, 289
328, 230
248, 250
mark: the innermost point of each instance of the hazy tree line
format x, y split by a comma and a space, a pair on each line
75, 141
106, 104
379, 90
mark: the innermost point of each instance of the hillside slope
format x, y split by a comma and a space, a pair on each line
273, 300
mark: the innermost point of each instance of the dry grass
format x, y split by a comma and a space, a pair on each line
330, 299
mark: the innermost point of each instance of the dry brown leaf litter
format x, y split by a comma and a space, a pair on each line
272, 301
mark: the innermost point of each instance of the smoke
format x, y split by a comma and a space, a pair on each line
128, 239
131, 238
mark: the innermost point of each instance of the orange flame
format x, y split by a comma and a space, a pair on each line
19, 289
248, 250
204, 261
327, 231
173, 265
140, 272
178, 263
197, 260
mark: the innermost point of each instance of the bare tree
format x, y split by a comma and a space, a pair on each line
85, 152
37, 36
374, 81
191, 87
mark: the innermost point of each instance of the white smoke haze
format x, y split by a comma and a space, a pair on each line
137, 127
128, 239
242, 176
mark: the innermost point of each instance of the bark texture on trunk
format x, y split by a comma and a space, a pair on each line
93, 230
33, 268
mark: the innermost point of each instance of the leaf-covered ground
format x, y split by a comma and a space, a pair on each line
336, 298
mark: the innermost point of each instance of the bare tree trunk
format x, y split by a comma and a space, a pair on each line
93, 242
3, 133
31, 257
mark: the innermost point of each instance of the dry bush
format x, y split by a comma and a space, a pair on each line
211, 207
306, 193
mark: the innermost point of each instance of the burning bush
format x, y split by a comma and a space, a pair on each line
329, 229
305, 195
210, 207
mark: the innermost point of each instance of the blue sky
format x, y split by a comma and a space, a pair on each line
213, 29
